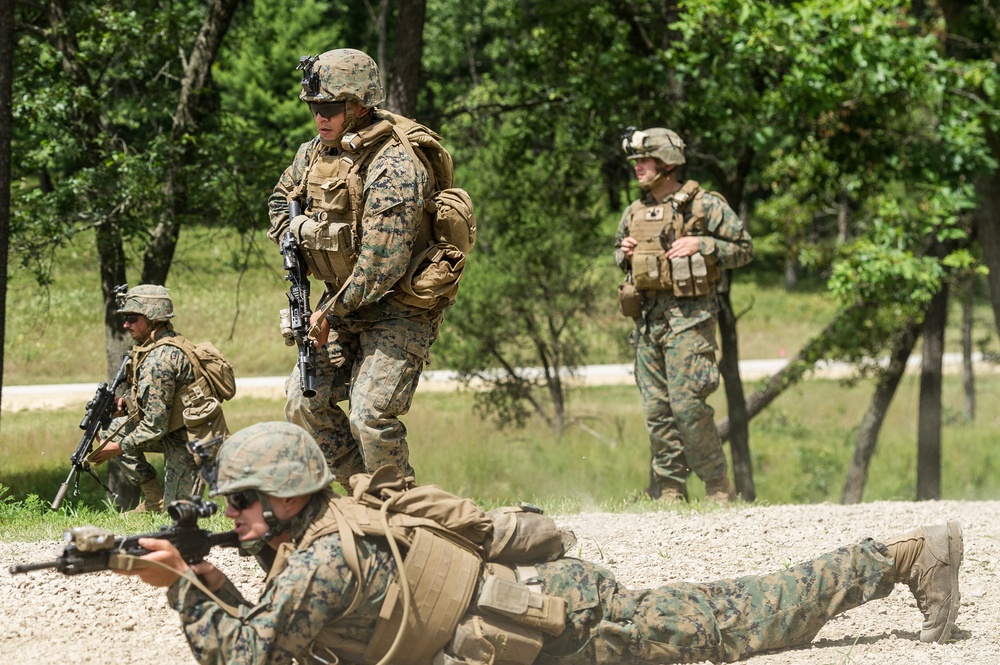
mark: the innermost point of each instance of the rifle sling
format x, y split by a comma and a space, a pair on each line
132, 562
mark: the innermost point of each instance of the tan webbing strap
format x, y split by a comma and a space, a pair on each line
131, 562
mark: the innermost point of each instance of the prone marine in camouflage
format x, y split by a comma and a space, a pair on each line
158, 373
373, 197
314, 608
677, 228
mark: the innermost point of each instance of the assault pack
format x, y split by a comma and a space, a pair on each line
197, 406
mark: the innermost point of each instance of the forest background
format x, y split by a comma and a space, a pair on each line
857, 139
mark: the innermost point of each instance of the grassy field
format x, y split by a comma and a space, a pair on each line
801, 445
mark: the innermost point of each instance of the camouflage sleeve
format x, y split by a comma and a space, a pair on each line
301, 601
277, 202
729, 241
393, 205
164, 371
622, 233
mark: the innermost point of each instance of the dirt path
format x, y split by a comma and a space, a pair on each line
104, 618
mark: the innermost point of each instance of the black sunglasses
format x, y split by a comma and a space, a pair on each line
132, 318
242, 500
327, 109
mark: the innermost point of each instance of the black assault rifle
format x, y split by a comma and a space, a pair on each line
298, 305
90, 549
100, 408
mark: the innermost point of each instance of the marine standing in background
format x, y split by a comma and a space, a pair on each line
675, 243
363, 188
164, 389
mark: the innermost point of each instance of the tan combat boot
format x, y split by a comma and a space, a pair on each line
927, 560
152, 501
719, 490
671, 491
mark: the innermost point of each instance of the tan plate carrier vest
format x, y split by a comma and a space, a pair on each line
651, 271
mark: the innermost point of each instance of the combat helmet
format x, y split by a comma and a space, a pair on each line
341, 75
657, 142
276, 458
150, 300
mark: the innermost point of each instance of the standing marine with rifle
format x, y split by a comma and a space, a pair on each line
675, 244
171, 399
360, 206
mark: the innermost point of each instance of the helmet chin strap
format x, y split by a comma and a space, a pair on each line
276, 528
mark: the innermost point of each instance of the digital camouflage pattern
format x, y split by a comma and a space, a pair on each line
164, 371
721, 621
675, 364
150, 300
606, 623
343, 75
381, 343
276, 458
310, 593
376, 368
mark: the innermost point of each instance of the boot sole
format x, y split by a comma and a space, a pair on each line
956, 554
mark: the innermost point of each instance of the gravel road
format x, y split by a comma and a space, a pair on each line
104, 618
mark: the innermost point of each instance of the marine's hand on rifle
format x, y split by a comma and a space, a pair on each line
321, 326
104, 452
165, 563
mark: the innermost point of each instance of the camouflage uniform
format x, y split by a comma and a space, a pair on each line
675, 365
163, 372
606, 623
378, 345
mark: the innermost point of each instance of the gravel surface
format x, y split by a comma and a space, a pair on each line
105, 618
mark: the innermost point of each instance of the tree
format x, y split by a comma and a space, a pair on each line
6, 124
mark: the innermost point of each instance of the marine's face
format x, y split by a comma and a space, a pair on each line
645, 172
330, 119
248, 517
137, 326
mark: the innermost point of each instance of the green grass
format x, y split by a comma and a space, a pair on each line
801, 445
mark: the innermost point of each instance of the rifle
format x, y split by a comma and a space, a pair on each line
298, 305
98, 416
90, 549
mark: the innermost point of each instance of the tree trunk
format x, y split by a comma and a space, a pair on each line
404, 68
791, 373
987, 221
871, 424
968, 372
6, 134
929, 414
739, 431
159, 252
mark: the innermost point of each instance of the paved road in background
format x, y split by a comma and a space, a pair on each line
53, 396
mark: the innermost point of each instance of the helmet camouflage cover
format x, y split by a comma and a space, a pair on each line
150, 300
341, 75
276, 458
657, 142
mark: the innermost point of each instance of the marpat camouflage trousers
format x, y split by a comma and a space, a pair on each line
721, 621
180, 472
376, 368
676, 372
